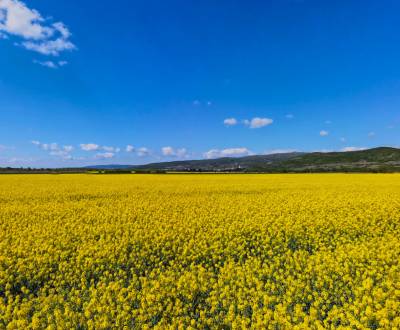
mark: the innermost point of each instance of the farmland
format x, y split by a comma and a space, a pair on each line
200, 251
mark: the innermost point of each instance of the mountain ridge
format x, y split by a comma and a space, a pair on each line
374, 159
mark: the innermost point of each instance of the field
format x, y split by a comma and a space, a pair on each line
200, 251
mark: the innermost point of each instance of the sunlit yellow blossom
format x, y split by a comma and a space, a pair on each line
200, 251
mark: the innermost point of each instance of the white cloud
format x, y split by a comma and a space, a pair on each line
182, 152
60, 27
167, 151
17, 19
171, 152
258, 122
371, 134
323, 133
230, 121
289, 116
47, 64
49, 47
279, 151
108, 149
53, 146
58, 153
230, 152
38, 33
89, 146
54, 149
15, 160
143, 151
46, 146
51, 64
352, 149
105, 155
129, 148
235, 152
96, 147
213, 153
324, 150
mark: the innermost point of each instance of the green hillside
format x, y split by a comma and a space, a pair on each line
383, 159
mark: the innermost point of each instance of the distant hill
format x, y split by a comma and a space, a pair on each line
221, 164
382, 159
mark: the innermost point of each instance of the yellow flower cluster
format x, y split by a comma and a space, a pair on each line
296, 251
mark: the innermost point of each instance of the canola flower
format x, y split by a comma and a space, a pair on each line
307, 251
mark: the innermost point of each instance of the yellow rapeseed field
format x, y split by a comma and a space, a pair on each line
307, 251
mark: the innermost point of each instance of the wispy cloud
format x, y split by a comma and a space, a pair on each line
171, 152
97, 147
371, 134
51, 64
230, 152
143, 151
49, 47
47, 64
46, 146
17, 160
258, 122
105, 155
54, 149
58, 153
89, 146
110, 149
323, 133
37, 33
230, 121
279, 151
129, 148
167, 151
352, 149
198, 103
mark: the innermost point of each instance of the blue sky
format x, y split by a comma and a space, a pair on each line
94, 82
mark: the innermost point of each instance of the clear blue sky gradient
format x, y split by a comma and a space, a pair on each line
167, 73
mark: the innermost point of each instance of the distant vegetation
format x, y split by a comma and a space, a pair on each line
28, 170
383, 159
